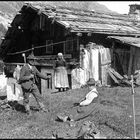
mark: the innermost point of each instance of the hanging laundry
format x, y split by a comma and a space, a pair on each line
82, 56
86, 65
105, 76
13, 90
16, 73
86, 59
95, 64
78, 78
18, 90
105, 56
105, 63
3, 83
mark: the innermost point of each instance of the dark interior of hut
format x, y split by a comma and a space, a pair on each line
121, 58
32, 29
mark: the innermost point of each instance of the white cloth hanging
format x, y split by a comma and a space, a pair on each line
95, 64
105, 62
86, 60
16, 73
105, 56
3, 82
13, 90
78, 79
86, 65
81, 75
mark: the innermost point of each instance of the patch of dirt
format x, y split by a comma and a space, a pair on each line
113, 115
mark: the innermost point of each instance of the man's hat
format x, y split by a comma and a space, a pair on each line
91, 82
30, 57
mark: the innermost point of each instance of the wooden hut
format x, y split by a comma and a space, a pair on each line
46, 30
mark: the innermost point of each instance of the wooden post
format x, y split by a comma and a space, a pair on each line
40, 21
112, 53
78, 46
132, 49
64, 48
14, 88
78, 41
134, 60
90, 48
78, 49
46, 46
133, 99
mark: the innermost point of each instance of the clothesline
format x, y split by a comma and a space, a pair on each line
37, 47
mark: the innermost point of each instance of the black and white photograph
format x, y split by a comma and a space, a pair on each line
69, 70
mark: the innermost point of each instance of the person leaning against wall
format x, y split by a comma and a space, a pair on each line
60, 73
27, 80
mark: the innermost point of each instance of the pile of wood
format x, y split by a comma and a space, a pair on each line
117, 78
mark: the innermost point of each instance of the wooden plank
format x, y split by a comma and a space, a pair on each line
78, 46
14, 63
112, 52
134, 60
130, 61
113, 77
127, 82
119, 76
116, 73
53, 56
90, 62
64, 48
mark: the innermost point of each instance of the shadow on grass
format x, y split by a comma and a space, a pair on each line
55, 92
3, 97
19, 107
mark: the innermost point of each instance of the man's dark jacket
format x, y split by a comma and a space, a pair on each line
25, 76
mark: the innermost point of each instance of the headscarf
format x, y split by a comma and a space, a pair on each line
60, 54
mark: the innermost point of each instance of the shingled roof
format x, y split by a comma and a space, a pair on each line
127, 40
77, 20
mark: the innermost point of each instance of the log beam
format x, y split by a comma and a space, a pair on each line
132, 52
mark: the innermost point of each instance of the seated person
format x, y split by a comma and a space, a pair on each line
85, 107
91, 95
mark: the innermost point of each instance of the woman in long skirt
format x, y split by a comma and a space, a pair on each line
60, 75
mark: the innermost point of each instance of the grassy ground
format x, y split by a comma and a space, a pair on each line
113, 115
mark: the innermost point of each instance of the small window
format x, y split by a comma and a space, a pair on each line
49, 47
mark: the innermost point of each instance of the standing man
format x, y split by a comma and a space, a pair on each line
27, 80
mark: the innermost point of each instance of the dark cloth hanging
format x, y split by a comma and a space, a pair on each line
117, 63
9, 70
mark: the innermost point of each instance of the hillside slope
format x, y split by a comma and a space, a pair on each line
85, 5
12, 7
